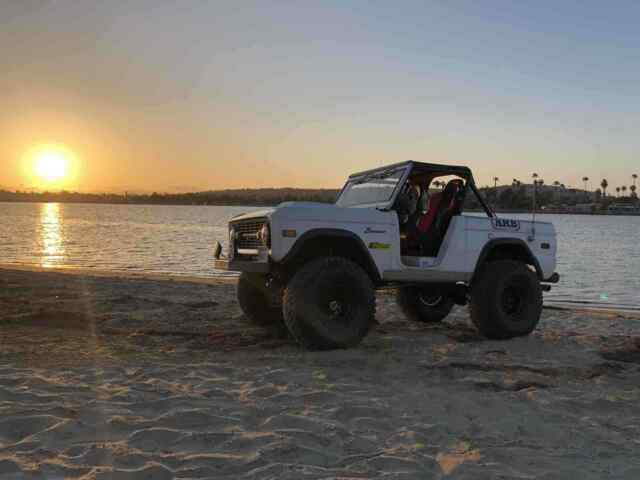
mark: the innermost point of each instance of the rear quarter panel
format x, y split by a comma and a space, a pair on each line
481, 230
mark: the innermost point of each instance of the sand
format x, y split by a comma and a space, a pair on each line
131, 378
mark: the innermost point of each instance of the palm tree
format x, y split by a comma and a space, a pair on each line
635, 177
624, 190
495, 190
633, 191
604, 184
556, 183
617, 191
585, 180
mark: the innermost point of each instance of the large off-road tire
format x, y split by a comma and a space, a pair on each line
506, 300
255, 302
329, 303
420, 305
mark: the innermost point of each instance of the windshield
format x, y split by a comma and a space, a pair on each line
372, 189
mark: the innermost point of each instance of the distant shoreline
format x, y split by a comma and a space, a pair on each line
242, 197
269, 197
176, 204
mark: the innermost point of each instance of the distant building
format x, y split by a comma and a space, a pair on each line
581, 208
559, 192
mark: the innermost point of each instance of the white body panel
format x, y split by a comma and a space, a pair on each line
480, 231
458, 256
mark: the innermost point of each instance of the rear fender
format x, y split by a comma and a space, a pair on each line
507, 248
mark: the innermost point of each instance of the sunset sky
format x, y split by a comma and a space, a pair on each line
190, 95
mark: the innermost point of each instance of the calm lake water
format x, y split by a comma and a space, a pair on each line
598, 257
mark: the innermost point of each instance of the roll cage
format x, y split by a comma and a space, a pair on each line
412, 168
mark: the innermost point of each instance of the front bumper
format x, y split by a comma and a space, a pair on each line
241, 265
260, 265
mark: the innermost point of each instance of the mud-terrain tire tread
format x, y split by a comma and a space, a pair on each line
310, 327
408, 300
485, 309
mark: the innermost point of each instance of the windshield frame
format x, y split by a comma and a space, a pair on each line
383, 205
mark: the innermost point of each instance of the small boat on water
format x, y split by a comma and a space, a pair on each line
623, 209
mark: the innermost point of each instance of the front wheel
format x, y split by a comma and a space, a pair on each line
420, 305
329, 303
256, 303
506, 300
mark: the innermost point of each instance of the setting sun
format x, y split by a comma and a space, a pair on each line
51, 165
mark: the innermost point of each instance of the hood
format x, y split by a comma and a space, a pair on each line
320, 212
267, 212
324, 213
255, 214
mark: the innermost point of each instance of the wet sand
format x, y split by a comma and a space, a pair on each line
105, 376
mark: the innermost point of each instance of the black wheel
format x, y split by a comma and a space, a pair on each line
329, 303
506, 300
256, 303
420, 305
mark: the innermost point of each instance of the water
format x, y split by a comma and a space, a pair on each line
158, 239
598, 260
598, 257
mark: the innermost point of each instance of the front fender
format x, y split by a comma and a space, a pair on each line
339, 242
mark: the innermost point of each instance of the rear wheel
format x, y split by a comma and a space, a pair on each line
421, 305
506, 300
329, 303
260, 305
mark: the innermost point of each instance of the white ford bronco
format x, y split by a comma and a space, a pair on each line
313, 268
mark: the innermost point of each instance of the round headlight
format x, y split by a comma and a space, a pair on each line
265, 235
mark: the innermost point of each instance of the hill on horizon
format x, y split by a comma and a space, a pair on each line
243, 196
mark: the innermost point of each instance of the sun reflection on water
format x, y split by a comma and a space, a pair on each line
51, 235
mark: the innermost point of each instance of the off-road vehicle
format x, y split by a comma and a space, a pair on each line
314, 268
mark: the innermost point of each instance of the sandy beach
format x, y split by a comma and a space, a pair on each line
107, 376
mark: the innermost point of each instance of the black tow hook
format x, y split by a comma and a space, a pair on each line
555, 278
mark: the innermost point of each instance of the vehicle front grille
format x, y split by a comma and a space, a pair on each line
247, 233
